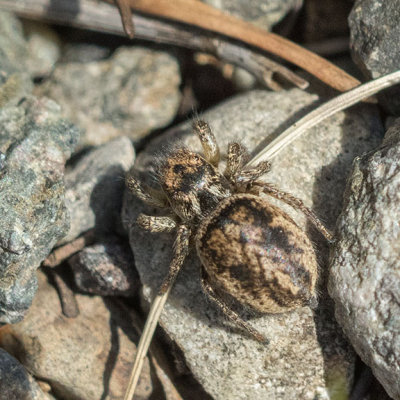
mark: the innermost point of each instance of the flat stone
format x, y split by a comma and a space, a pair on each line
307, 356
88, 357
15, 381
132, 93
35, 144
365, 267
106, 269
374, 43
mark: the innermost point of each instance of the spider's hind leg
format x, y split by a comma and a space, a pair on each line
294, 202
233, 317
208, 141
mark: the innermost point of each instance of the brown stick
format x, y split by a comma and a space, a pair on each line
60, 254
196, 13
126, 17
103, 17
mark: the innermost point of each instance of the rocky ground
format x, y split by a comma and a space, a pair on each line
78, 110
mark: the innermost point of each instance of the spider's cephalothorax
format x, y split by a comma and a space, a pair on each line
249, 248
192, 185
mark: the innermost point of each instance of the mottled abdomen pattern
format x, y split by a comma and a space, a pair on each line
256, 252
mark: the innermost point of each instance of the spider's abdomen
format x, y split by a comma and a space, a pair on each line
193, 186
256, 253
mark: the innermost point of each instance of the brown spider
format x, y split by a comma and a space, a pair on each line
249, 248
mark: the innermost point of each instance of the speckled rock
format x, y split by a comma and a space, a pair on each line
307, 356
365, 271
15, 82
130, 94
94, 188
106, 269
35, 143
374, 43
262, 13
88, 357
15, 381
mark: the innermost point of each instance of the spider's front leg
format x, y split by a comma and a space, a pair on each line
208, 141
212, 295
258, 186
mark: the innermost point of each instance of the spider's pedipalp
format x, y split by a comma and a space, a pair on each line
150, 196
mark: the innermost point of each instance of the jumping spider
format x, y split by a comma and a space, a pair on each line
248, 248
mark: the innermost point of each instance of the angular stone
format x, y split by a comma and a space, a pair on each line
88, 357
35, 143
15, 381
307, 356
106, 269
130, 94
94, 188
374, 43
365, 269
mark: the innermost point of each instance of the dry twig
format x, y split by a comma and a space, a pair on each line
61, 253
102, 17
201, 15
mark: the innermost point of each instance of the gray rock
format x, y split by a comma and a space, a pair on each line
94, 188
262, 13
87, 357
15, 82
132, 93
307, 357
15, 381
106, 269
374, 43
365, 270
36, 143
44, 47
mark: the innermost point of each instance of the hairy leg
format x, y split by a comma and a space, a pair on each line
180, 251
209, 290
237, 156
294, 202
150, 196
156, 224
208, 141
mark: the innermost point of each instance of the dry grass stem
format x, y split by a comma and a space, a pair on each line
326, 110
